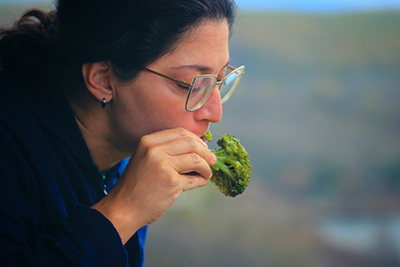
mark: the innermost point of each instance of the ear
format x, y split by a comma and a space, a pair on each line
97, 79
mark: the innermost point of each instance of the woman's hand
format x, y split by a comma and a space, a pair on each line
166, 164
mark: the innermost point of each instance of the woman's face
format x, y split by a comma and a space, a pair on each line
152, 103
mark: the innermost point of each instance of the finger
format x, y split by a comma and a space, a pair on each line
188, 145
192, 163
193, 181
170, 134
178, 141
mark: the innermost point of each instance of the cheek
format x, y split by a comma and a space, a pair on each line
169, 114
151, 112
146, 107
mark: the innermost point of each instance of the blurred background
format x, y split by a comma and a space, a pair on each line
318, 111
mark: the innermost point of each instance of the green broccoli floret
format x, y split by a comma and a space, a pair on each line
208, 136
231, 173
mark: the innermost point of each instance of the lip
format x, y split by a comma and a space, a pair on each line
204, 134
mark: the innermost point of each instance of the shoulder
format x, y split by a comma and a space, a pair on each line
20, 140
26, 125
15, 92
17, 109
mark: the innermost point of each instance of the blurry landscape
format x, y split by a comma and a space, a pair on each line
319, 113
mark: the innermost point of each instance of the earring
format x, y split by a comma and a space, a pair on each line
103, 103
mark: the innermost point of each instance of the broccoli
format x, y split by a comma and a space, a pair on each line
208, 136
231, 173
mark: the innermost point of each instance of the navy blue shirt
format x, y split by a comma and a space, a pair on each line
48, 184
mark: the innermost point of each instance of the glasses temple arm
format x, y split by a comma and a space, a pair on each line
167, 77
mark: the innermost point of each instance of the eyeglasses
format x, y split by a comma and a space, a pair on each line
202, 86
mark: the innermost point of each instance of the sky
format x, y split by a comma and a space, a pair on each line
305, 5
316, 5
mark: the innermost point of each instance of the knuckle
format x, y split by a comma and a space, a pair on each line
153, 151
191, 142
181, 131
196, 158
173, 181
190, 181
145, 141
163, 166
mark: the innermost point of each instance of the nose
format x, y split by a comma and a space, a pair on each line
212, 108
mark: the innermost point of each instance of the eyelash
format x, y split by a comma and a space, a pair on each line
186, 88
183, 87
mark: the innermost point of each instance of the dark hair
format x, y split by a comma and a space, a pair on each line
48, 49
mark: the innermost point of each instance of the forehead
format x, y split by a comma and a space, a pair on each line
206, 45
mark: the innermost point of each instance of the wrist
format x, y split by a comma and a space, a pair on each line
122, 222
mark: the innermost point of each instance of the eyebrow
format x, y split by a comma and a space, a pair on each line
201, 68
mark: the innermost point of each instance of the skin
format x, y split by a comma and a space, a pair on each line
146, 119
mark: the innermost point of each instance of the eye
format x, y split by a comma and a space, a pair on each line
183, 87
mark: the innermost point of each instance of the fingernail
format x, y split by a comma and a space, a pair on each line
213, 158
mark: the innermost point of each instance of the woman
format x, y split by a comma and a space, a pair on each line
87, 89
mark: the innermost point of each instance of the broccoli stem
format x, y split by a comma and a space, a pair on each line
221, 164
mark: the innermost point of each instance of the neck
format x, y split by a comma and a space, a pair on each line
102, 152
93, 123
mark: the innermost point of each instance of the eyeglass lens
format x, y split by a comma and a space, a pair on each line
229, 85
201, 91
204, 85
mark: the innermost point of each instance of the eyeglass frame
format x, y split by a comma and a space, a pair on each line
190, 85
